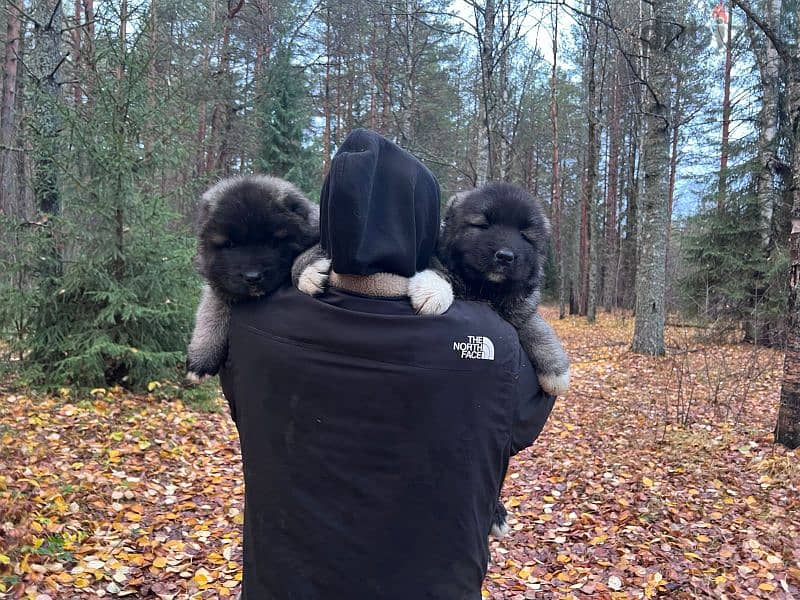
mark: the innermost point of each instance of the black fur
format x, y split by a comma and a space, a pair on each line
252, 228
495, 218
493, 247
250, 231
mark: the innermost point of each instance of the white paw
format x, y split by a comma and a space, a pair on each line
196, 378
430, 293
555, 384
500, 530
314, 277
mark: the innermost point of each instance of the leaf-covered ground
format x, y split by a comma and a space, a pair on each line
653, 477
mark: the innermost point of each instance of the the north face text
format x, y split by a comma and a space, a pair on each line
476, 347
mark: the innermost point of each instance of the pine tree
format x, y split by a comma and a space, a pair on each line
285, 121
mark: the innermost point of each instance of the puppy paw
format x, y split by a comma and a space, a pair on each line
430, 293
554, 383
199, 368
196, 378
314, 277
500, 526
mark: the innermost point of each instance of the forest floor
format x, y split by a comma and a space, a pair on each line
653, 477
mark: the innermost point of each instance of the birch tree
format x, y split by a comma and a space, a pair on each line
659, 35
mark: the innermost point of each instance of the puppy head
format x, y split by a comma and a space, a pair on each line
250, 231
495, 239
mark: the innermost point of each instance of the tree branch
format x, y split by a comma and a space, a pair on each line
22, 13
781, 47
56, 8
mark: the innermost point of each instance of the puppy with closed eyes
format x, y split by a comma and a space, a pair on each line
251, 229
493, 247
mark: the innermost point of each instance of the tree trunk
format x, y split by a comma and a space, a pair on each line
555, 183
488, 92
630, 245
726, 118
326, 99
588, 253
612, 178
787, 429
768, 63
10, 203
673, 154
648, 335
222, 115
46, 60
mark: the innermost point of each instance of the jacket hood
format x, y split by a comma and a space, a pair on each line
379, 208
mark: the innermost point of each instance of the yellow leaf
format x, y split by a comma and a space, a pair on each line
766, 586
153, 385
563, 558
132, 516
647, 482
703, 538
60, 504
524, 573
512, 502
81, 582
160, 562
4, 560
201, 577
64, 577
720, 579
97, 391
598, 539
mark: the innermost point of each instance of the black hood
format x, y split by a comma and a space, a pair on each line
379, 208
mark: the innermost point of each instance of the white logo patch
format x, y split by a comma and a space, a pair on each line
475, 347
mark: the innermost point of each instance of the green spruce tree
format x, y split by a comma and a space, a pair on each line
285, 148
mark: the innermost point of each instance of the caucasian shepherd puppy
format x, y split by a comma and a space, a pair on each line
251, 229
493, 247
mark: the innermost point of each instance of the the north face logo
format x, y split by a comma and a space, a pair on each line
476, 346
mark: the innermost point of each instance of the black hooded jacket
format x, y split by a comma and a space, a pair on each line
374, 442
379, 208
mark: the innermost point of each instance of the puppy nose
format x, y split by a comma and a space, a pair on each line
504, 255
252, 276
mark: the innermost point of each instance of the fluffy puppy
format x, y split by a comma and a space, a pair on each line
251, 229
493, 247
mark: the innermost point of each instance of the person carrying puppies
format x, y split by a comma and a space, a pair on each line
373, 445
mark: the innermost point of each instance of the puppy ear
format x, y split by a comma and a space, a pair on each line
546, 227
202, 215
209, 201
306, 216
455, 200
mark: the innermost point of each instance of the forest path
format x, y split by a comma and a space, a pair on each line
627, 493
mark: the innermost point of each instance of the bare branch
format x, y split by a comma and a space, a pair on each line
22, 12
781, 47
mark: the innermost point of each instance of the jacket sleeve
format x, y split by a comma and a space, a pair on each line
227, 380
532, 407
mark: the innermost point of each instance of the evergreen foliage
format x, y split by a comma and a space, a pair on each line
103, 293
732, 278
285, 120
